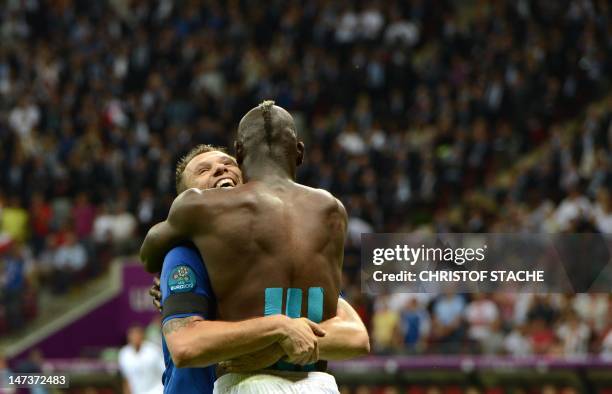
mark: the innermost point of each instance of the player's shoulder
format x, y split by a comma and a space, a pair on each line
330, 199
315, 193
325, 199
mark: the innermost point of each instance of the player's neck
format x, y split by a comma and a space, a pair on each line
266, 169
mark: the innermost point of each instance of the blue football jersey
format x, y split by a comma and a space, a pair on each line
184, 273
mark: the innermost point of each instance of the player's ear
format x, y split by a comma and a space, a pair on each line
239, 149
300, 153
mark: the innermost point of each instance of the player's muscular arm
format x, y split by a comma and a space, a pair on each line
195, 342
160, 238
346, 337
189, 215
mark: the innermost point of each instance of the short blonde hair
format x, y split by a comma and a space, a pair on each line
182, 163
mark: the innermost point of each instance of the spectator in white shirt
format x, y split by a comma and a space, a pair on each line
401, 31
517, 343
141, 364
124, 224
592, 309
347, 27
117, 226
69, 262
103, 226
481, 315
574, 335
351, 141
24, 117
71, 255
572, 208
371, 21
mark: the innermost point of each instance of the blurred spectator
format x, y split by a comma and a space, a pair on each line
12, 284
33, 364
15, 220
517, 342
69, 263
83, 214
401, 31
592, 309
146, 210
385, 327
153, 332
24, 117
572, 208
141, 364
41, 222
447, 323
481, 315
124, 228
5, 371
415, 325
541, 336
116, 226
574, 335
542, 308
351, 141
103, 226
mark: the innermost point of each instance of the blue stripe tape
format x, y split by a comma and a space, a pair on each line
315, 304
293, 308
274, 301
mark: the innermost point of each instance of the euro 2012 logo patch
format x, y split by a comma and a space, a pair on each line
182, 279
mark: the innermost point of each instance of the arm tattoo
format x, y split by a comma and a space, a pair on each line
176, 324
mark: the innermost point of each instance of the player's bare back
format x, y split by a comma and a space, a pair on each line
266, 235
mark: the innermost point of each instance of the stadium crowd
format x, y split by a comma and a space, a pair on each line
410, 111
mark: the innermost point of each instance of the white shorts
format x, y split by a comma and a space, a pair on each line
276, 382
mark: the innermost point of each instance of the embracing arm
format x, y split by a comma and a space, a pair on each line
192, 213
195, 342
160, 238
346, 337
187, 214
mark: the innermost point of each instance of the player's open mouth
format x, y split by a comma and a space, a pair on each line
225, 182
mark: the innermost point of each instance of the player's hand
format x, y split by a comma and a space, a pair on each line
155, 292
254, 361
300, 343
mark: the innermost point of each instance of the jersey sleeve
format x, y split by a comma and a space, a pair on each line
185, 285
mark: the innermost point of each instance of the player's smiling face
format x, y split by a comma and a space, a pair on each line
213, 170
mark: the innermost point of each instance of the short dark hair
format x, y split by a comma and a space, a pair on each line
182, 163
